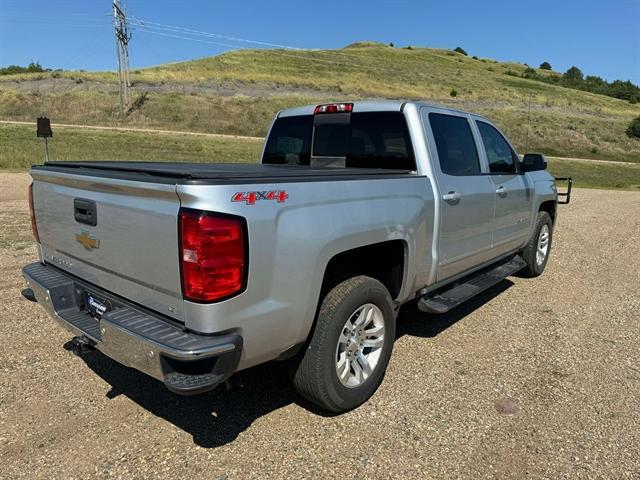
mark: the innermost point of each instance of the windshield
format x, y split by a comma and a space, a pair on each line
362, 140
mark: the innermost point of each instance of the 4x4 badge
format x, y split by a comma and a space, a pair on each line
87, 240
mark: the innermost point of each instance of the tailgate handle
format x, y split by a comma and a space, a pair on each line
85, 211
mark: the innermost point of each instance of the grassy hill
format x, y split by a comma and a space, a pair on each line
239, 92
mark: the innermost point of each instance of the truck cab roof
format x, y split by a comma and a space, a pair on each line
373, 106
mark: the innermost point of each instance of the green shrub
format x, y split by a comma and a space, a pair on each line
573, 75
460, 50
633, 131
138, 102
33, 67
453, 93
545, 66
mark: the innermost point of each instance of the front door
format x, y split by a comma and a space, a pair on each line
466, 195
513, 193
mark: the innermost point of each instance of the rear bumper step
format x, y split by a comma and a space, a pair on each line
460, 292
186, 362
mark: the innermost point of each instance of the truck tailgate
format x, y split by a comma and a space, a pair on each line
132, 250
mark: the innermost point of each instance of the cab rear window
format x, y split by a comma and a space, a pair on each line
361, 140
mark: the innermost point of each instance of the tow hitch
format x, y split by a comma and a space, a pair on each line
80, 345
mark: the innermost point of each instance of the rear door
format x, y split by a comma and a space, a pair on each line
513, 191
466, 195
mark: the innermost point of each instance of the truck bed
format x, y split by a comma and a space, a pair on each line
165, 172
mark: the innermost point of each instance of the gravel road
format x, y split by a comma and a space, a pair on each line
537, 379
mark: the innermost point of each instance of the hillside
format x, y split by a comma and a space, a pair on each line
238, 93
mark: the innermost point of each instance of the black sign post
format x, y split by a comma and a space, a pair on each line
44, 130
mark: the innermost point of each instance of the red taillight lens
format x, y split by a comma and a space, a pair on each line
32, 214
334, 108
213, 255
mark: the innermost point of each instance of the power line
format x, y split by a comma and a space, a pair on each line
150, 24
186, 38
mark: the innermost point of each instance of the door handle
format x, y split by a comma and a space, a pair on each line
501, 192
452, 198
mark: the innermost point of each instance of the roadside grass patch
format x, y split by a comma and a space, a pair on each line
21, 149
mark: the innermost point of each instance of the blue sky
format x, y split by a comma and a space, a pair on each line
600, 37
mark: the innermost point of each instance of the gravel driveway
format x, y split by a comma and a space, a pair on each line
561, 351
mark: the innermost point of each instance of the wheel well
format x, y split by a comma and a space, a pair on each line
383, 261
549, 207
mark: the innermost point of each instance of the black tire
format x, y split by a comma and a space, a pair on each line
314, 372
534, 268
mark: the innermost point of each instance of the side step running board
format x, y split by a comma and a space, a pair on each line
445, 300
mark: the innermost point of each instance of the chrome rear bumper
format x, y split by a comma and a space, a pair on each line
187, 363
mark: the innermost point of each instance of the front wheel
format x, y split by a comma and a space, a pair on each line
536, 252
350, 348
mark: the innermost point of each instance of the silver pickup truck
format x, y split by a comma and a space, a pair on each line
191, 272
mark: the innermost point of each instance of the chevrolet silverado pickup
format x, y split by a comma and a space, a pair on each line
192, 272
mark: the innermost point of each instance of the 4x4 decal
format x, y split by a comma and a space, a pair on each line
250, 198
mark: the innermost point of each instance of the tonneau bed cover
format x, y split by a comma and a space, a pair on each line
220, 172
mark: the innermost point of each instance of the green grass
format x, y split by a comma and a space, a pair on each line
20, 149
597, 175
564, 122
237, 115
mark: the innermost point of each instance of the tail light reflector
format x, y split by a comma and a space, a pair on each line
32, 214
213, 255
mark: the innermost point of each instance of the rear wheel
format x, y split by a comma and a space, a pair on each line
536, 252
350, 348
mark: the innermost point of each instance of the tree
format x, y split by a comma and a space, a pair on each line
573, 75
34, 67
545, 66
460, 50
633, 130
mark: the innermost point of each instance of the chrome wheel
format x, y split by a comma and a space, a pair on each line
543, 245
360, 345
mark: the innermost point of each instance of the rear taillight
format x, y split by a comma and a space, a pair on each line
334, 108
32, 214
213, 255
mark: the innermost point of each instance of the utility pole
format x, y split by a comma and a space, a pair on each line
122, 51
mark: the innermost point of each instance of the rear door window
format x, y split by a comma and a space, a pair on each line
362, 140
457, 150
500, 155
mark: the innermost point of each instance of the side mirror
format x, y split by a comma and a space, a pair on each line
532, 162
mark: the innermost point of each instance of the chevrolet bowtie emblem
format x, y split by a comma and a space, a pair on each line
87, 240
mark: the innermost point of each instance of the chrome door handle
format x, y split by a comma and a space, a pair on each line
501, 192
452, 197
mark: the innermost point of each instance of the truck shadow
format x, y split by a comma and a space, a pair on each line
218, 417
412, 321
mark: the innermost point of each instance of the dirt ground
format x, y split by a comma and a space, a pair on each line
561, 350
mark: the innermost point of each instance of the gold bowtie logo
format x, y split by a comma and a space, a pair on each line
87, 240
